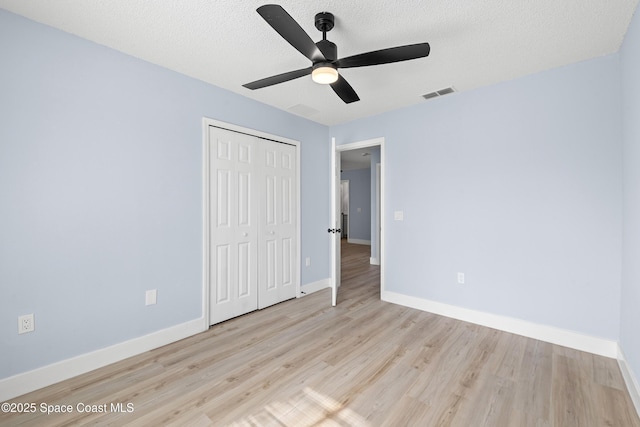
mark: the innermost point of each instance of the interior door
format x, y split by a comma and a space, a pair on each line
277, 224
336, 219
233, 223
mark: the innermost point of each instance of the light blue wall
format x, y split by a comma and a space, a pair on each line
359, 198
101, 192
630, 314
517, 185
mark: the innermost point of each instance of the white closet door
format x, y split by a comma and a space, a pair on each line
277, 224
233, 211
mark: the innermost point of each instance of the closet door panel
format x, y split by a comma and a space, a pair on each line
253, 223
278, 225
233, 236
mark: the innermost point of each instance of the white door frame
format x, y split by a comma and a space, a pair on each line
206, 172
335, 187
376, 259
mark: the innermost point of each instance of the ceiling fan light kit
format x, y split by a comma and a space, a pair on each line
324, 54
324, 74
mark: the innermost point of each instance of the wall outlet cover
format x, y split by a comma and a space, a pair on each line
26, 324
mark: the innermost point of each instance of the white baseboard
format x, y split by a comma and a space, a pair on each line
310, 288
374, 261
563, 337
26, 382
358, 241
629, 379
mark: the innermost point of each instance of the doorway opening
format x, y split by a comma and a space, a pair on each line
362, 165
344, 208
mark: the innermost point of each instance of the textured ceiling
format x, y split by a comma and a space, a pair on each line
226, 43
355, 159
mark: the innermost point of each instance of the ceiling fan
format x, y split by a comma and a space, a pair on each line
324, 54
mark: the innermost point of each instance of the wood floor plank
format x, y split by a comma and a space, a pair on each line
532, 398
363, 363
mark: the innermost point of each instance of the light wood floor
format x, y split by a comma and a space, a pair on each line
363, 363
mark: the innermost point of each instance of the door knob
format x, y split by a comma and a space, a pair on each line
245, 234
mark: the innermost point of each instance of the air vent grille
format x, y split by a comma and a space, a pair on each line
303, 110
430, 95
445, 91
440, 92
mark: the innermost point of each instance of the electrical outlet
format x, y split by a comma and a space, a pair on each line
461, 278
26, 324
307, 261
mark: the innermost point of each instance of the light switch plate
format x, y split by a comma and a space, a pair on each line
398, 215
151, 297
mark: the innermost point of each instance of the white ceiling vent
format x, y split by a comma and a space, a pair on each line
440, 92
303, 110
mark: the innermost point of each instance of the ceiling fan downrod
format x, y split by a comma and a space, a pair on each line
324, 22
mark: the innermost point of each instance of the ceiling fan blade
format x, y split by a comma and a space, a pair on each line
290, 30
344, 90
385, 56
280, 78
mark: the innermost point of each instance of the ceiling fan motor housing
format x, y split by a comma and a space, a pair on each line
328, 49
